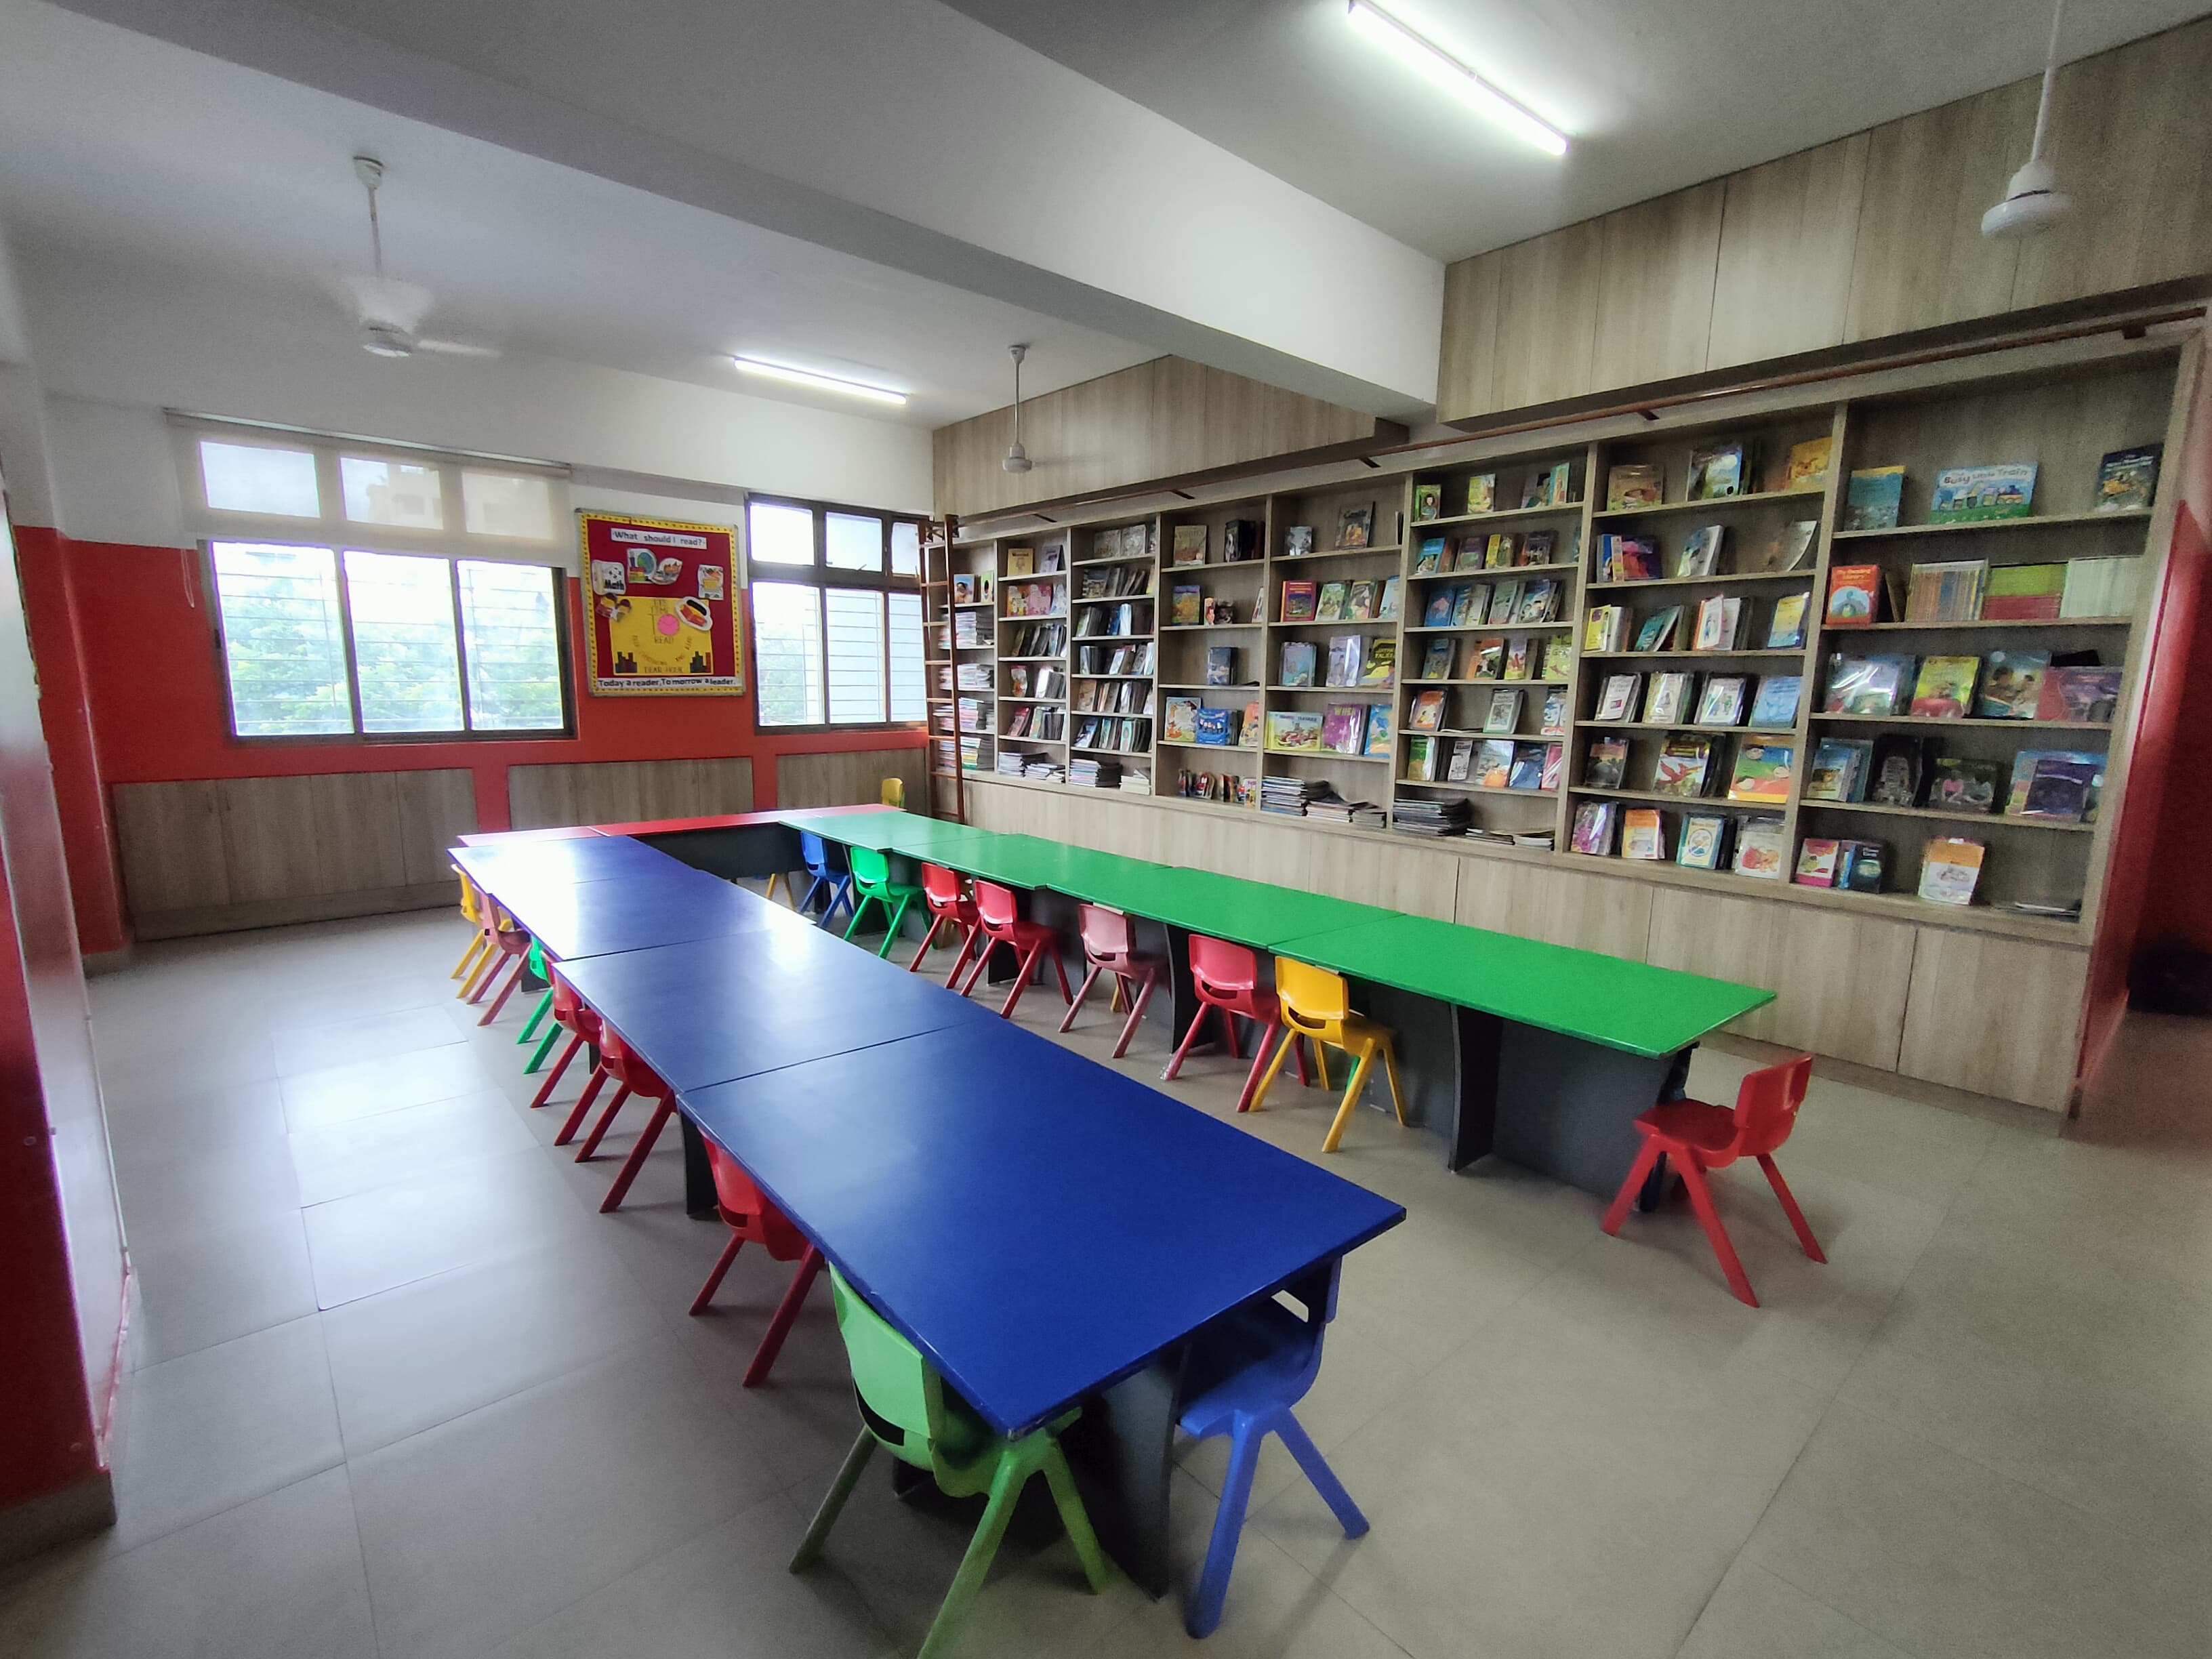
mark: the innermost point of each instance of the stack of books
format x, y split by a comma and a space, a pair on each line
1041, 771
1136, 783
1290, 795
1333, 808
1010, 763
1088, 773
1430, 817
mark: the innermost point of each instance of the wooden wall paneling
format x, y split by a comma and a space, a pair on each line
622, 792
1655, 304
436, 809
1560, 907
1466, 380
1419, 881
359, 844
2001, 1016
1782, 280
1547, 296
2133, 149
170, 838
852, 778
1920, 258
269, 838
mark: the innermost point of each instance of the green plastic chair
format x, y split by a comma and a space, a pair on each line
906, 1407
537, 1015
873, 884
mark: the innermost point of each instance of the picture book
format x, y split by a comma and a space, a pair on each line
1470, 605
1604, 763
1703, 844
1427, 712
1552, 723
1656, 632
1221, 665
963, 589
1378, 743
1872, 497
1296, 667
1808, 467
1867, 685
1460, 762
1785, 629
1789, 548
1775, 705
2055, 783
1901, 764
1021, 562
1437, 660
1300, 600
2127, 479
1381, 667
1627, 487
1945, 689
1949, 868
1531, 489
1555, 762
1839, 769
2012, 685
1428, 503
1504, 713
1528, 766
1299, 541
1946, 590
1493, 763
1188, 546
1668, 699
2081, 695
1499, 551
1179, 719
1469, 555
1854, 595
1763, 772
1714, 630
1391, 598
1684, 766
1486, 659
1617, 701
1963, 786
1605, 628
1343, 727
1186, 607
1248, 730
1558, 484
1723, 702
1220, 613
1701, 552
1861, 865
1214, 728
1627, 559
2023, 592
1421, 759
1355, 525
1482, 493
1438, 612
1517, 657
1559, 656
1540, 601
1504, 602
1343, 661
1816, 862
1717, 473
1330, 606
1293, 730
1539, 547
1761, 850
1429, 556
1969, 493
1594, 827
1643, 833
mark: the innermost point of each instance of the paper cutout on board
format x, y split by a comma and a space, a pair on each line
607, 577
711, 582
663, 620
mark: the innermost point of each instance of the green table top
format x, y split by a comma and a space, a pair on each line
1254, 913
1630, 1006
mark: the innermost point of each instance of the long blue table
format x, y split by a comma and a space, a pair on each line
584, 858
634, 912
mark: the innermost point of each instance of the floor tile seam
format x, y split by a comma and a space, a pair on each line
490, 1087
1822, 1600
802, 1513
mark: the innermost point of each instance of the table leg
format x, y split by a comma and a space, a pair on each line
698, 1175
1568, 1108
1122, 1450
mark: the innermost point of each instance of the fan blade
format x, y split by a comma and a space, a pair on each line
456, 347
386, 300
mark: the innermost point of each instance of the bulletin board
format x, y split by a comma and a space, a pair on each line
662, 615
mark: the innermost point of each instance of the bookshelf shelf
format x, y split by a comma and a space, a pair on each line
1011, 620
1477, 789
1342, 621
1712, 730
1099, 749
1987, 622
1494, 627
1493, 572
1112, 558
1477, 732
1194, 685
1722, 503
1688, 803
1984, 725
1214, 747
1052, 658
1727, 578
2006, 820
1292, 561
1412, 685
1328, 755
1795, 653
1206, 627
2032, 521
1120, 598
974, 605
1502, 515
1008, 697
1336, 690
1080, 674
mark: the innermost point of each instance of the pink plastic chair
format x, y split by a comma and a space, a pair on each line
636, 1078
753, 1220
1700, 1137
1109, 946
1227, 977
948, 902
999, 914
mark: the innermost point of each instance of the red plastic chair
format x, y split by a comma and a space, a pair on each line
1700, 1137
1109, 946
753, 1220
998, 913
1227, 977
583, 1026
514, 946
636, 1078
948, 902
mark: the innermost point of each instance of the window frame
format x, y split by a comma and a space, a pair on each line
821, 575
211, 585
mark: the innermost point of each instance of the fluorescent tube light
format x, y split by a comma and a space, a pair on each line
882, 394
1433, 64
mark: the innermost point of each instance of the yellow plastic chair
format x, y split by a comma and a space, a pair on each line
471, 908
893, 793
1317, 1004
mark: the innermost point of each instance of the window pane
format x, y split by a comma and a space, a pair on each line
247, 478
856, 654
906, 655
503, 504
906, 548
507, 620
779, 535
390, 492
281, 639
787, 653
854, 543
402, 642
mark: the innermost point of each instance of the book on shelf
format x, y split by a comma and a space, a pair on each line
2012, 685
1517, 657
1343, 661
1344, 727
1764, 772
1604, 763
2080, 694
1486, 660
1808, 465
1295, 667
1558, 656
1493, 763
1946, 591
1298, 541
1428, 503
1854, 595
1945, 689
1667, 700
1552, 764
1959, 785
1482, 493
1540, 601
1539, 547
1300, 600
2024, 593
1179, 719
1504, 603
1717, 473
1391, 601
1817, 858
1330, 606
2100, 587
1504, 713
1594, 824
964, 587
1413, 816
1376, 743
1617, 699
2127, 479
1704, 843
1380, 666
1774, 705
1627, 559
1701, 552
1643, 834
1950, 867
1657, 631
1247, 729
1900, 769
1605, 628
1215, 728
1429, 555
1021, 562
1684, 766
1762, 847
1355, 525
1629, 486
1241, 540
1189, 545
1221, 665
1359, 602
1785, 626
1872, 686
1457, 607
1437, 660
1719, 623
1527, 769
1872, 497
1293, 730
1556, 484
1421, 758
1789, 548
1839, 769
2060, 784
1723, 703
1186, 606
1859, 864
1970, 495
1552, 723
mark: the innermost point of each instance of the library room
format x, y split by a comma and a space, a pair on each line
1337, 829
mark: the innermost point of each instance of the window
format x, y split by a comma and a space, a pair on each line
837, 605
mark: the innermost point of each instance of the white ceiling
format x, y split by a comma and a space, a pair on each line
1655, 93
123, 147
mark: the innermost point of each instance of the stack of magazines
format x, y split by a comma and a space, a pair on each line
1290, 795
1430, 817
1136, 783
1041, 771
1333, 809
1088, 773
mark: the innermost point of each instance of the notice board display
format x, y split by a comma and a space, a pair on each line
662, 617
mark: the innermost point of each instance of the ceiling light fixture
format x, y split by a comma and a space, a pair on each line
1440, 68
1017, 458
2033, 200
882, 394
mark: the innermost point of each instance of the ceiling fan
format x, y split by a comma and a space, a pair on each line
390, 312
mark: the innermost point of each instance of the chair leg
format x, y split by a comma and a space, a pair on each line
575, 1120
553, 1078
545, 1048
1075, 1518
1059, 968
599, 1129
1390, 1071
890, 930
1300, 1445
960, 957
1789, 1208
700, 1302
506, 991
849, 1477
1647, 1156
1235, 1037
1701, 1201
769, 891
1022, 973
1189, 1036
1136, 1017
1274, 1070
928, 939
802, 899
499, 960
537, 1017
487, 963
468, 957
1252, 1077
787, 1315
1005, 1486
1320, 1061
1204, 1612
1349, 1104
1076, 1006
663, 1111
854, 920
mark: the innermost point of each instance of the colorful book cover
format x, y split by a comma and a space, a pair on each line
1221, 665
1427, 712
1190, 544
1684, 764
1186, 607
1497, 551
1421, 759
1592, 831
2127, 479
1854, 595
1343, 726
1504, 603
2086, 696
1355, 525
1866, 686
1701, 553
1785, 629
1429, 556
1438, 612
1723, 702
2012, 685
1293, 730
1469, 557
1215, 728
1627, 487
1298, 541
1964, 785
1807, 467
1300, 600
1298, 658
1437, 660
1949, 868
1482, 493
1713, 626
1775, 706
1504, 713
1559, 656
1538, 599
1966, 494
2055, 783
1456, 769
1539, 547
1945, 689
1359, 603
1555, 756
1718, 472
1179, 720
1517, 657
1657, 632
1343, 661
1760, 849
1618, 699
1391, 600
1604, 763
1559, 484
1763, 772
1493, 763
1872, 497
1378, 734
1838, 771
1470, 605
1704, 842
1428, 503
1330, 607
1381, 667
1669, 699
1486, 659
1553, 722
1642, 834
1816, 862
2023, 592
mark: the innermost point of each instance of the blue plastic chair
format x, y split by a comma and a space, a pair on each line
1246, 1370
816, 856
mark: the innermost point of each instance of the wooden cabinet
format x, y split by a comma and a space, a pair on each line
1467, 381
1546, 321
1782, 278
2001, 1016
1655, 304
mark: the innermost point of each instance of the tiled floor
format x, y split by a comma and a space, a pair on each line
397, 1390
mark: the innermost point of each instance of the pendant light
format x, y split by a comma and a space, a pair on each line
1017, 458
2033, 200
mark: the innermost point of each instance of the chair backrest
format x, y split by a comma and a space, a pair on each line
1766, 1105
903, 1395
996, 905
742, 1201
627, 1067
1217, 965
1106, 934
815, 855
469, 906
893, 793
1313, 994
941, 888
870, 868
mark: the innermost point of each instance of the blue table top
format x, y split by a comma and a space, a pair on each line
583, 858
668, 905
1038, 1225
745, 1003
